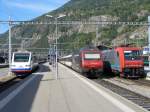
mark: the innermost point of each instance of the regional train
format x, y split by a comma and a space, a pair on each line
86, 61
23, 63
125, 61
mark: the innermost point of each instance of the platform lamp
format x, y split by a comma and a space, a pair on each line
56, 34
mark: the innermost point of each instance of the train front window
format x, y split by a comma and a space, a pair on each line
92, 56
20, 57
132, 55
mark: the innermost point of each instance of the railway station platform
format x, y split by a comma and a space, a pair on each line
70, 93
147, 71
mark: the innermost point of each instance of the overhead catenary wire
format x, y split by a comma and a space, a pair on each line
131, 23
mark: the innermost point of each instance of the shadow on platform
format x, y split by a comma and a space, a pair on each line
44, 68
23, 102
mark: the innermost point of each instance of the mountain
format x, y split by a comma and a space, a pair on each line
76, 36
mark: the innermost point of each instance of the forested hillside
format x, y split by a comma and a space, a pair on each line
76, 36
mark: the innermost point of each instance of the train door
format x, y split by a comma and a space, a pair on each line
116, 59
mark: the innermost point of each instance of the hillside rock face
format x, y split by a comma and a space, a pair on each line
92, 28
135, 37
88, 10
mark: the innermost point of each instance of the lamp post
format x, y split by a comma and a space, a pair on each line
56, 34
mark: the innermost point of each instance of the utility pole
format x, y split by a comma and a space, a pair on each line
22, 44
96, 39
9, 45
56, 51
149, 37
56, 43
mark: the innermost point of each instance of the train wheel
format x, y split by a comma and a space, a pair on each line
107, 68
143, 75
92, 74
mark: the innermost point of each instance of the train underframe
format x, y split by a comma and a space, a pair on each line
92, 73
21, 73
24, 72
133, 73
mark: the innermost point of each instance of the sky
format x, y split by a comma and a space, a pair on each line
26, 9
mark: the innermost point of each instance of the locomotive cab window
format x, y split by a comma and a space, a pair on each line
132, 55
20, 57
91, 56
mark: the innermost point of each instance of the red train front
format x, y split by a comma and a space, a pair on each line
131, 62
127, 61
88, 61
91, 59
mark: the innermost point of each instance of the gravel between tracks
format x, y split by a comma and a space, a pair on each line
131, 85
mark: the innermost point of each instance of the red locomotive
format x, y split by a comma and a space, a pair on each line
88, 61
126, 61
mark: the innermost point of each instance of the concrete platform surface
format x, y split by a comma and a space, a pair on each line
3, 72
70, 93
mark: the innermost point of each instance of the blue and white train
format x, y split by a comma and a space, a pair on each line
23, 63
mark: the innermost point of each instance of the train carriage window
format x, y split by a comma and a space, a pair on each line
132, 55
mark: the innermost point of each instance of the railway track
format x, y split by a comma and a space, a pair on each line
14, 80
140, 82
9, 83
132, 96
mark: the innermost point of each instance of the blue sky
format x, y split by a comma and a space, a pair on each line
26, 9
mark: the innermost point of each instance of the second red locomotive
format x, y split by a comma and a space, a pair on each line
126, 61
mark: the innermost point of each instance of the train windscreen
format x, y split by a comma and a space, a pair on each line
92, 56
21, 57
132, 55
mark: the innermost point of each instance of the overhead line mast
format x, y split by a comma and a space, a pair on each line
77, 22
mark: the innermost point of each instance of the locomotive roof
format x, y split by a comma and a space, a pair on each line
22, 52
68, 56
89, 48
122, 48
129, 48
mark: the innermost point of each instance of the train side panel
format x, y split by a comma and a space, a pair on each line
111, 61
76, 62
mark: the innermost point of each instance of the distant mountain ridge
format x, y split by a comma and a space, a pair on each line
79, 35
